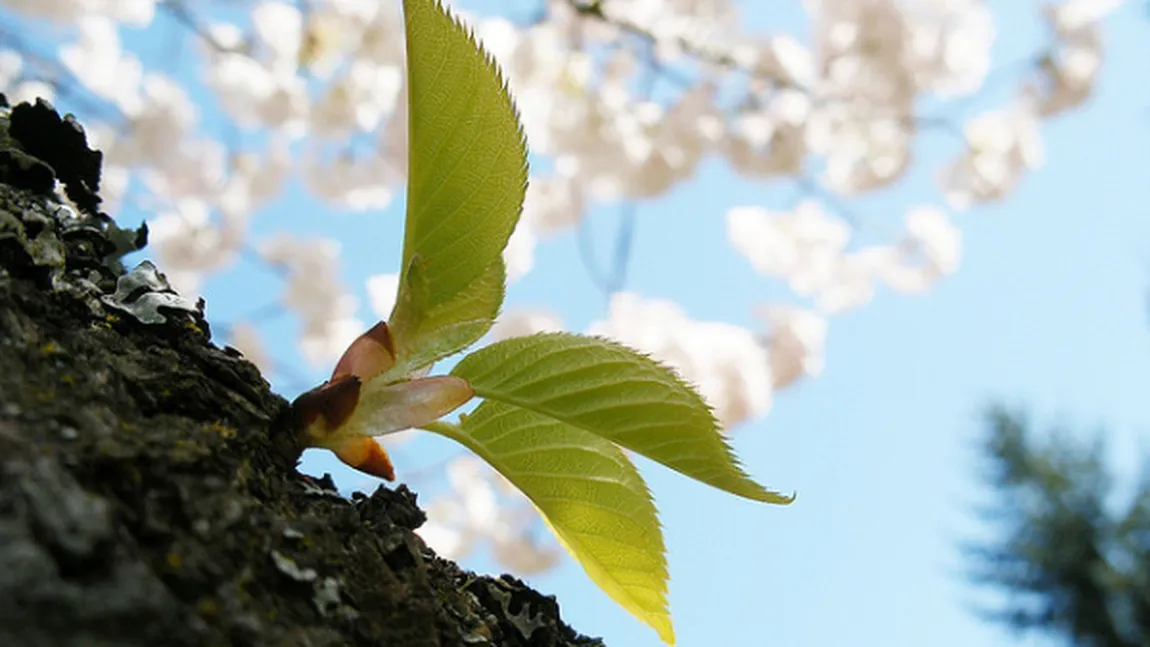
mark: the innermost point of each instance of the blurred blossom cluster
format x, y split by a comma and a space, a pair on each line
485, 507
622, 100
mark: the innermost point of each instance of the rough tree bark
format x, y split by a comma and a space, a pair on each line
148, 494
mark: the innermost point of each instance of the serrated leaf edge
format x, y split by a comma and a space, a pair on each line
764, 495
666, 633
509, 100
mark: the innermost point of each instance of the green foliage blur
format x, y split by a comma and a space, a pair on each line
1074, 565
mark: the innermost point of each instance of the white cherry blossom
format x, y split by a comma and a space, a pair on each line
1001, 145
523, 322
188, 244
382, 290
313, 291
795, 341
804, 246
474, 511
519, 255
97, 60
246, 338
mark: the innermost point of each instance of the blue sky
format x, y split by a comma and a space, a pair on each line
1048, 310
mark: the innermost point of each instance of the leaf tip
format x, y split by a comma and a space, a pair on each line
501, 80
778, 498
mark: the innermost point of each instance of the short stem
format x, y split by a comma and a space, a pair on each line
287, 437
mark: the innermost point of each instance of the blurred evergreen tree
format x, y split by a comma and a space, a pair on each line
1073, 565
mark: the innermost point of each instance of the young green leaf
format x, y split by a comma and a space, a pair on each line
425, 335
614, 392
590, 495
467, 171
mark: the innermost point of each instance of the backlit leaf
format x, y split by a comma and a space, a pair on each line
603, 387
589, 493
425, 335
467, 173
